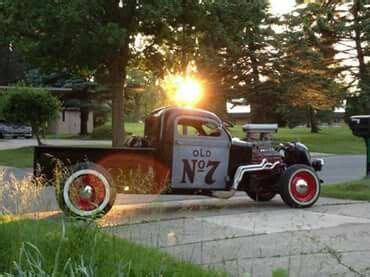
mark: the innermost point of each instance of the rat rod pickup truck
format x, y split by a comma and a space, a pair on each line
183, 151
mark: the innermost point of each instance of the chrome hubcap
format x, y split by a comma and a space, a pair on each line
301, 186
86, 192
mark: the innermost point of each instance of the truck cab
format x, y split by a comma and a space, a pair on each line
193, 143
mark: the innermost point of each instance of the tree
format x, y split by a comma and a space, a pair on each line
355, 41
143, 94
309, 74
256, 64
85, 94
232, 53
35, 107
90, 37
11, 67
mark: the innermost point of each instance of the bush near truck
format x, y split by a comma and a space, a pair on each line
33, 106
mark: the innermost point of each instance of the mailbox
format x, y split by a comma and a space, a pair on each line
360, 126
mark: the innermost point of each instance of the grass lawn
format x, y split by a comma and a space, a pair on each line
38, 247
356, 190
334, 140
21, 157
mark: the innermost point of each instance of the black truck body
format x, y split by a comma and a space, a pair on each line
183, 151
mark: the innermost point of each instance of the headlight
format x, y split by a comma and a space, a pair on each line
317, 164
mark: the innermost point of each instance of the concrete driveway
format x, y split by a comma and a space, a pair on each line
245, 238
242, 237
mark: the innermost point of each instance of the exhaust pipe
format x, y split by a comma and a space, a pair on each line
264, 165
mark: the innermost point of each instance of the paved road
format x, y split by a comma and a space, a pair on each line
340, 168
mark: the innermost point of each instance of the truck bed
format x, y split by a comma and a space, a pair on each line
121, 163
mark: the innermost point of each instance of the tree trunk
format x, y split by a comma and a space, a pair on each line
313, 121
37, 135
84, 115
364, 77
117, 113
358, 40
117, 77
257, 110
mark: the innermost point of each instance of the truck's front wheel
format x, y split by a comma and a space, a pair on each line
88, 191
299, 186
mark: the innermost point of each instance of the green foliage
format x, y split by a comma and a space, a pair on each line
38, 246
102, 132
11, 66
235, 45
280, 272
310, 72
351, 23
142, 95
3, 98
99, 36
35, 107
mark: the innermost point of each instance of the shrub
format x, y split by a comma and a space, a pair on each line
3, 98
35, 107
102, 132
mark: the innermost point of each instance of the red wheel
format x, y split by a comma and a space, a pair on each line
87, 192
299, 186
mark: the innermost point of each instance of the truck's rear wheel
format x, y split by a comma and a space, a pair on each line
299, 186
87, 192
261, 196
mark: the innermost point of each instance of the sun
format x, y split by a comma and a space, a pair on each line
189, 91
183, 90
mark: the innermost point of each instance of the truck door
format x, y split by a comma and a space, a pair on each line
200, 154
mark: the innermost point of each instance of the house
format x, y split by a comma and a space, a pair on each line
238, 111
69, 122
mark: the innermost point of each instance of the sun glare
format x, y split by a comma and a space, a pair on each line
184, 91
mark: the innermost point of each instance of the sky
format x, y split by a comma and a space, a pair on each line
279, 7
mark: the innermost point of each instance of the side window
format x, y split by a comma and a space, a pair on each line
195, 128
